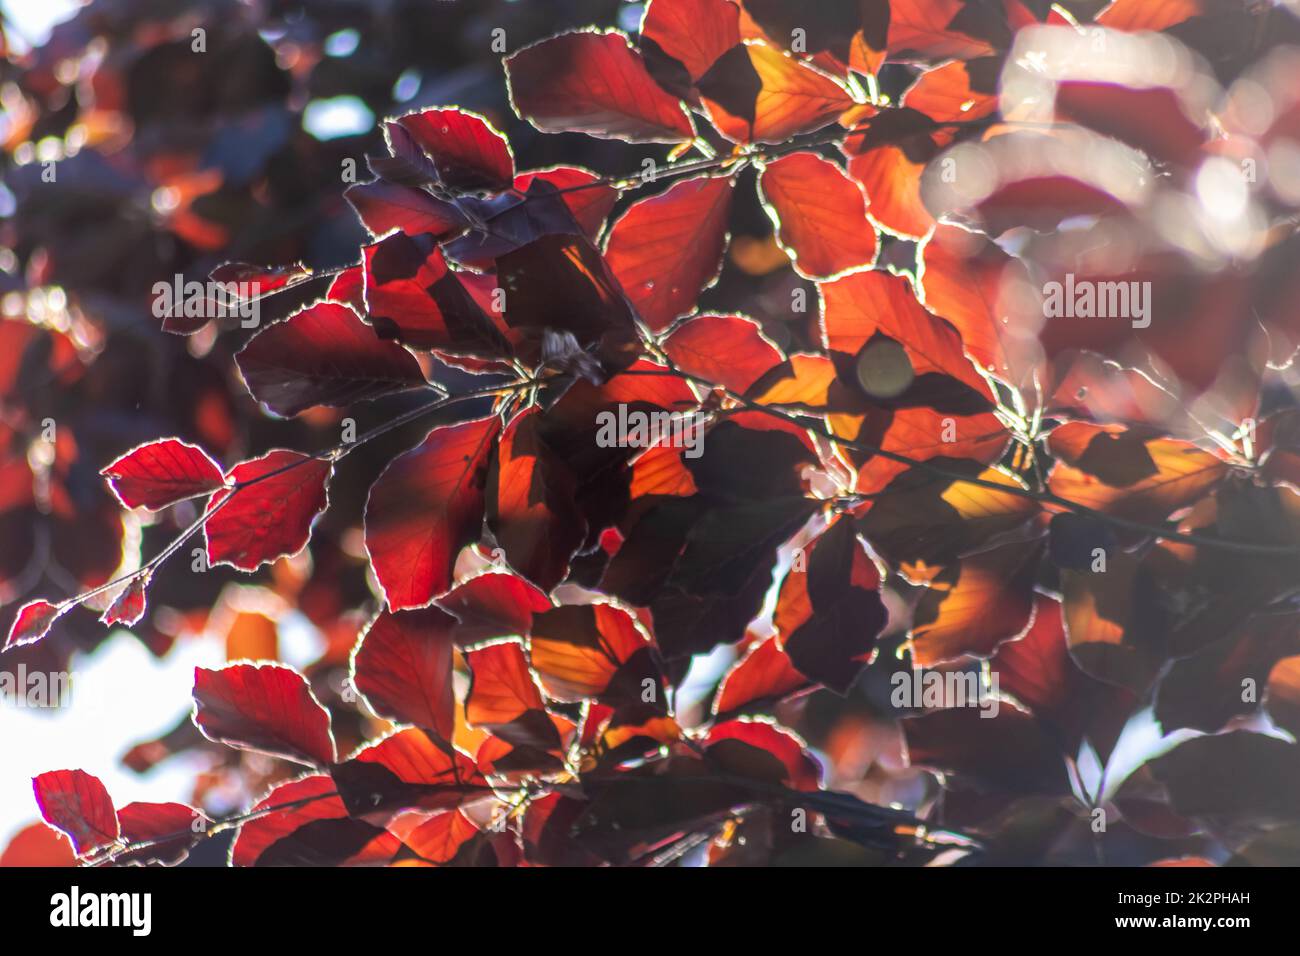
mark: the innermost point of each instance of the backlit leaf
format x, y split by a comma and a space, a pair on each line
265, 707
593, 83
162, 473
757, 94
666, 249
820, 214
323, 355
424, 508
402, 665
79, 805
267, 509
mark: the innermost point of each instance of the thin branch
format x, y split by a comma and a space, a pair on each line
333, 453
116, 851
1043, 497
667, 171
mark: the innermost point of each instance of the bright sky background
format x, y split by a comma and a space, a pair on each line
121, 695
33, 18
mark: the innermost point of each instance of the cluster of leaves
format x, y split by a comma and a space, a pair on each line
1094, 516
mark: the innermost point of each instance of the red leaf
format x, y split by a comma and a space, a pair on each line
755, 93
79, 805
829, 611
667, 249
919, 433
348, 288
182, 825
264, 279
588, 199
162, 473
747, 748
1153, 119
1283, 696
257, 835
572, 424
425, 506
530, 506
1129, 472
864, 304
38, 845
803, 380
593, 83
976, 603
129, 605
439, 838
934, 520
323, 355
266, 707
659, 470
1087, 385
694, 33
1044, 202
1204, 691
313, 829
412, 296
1037, 671
503, 686
968, 280
407, 769
504, 698
595, 651
1004, 752
492, 605
467, 152
33, 622
730, 350
957, 91
893, 181
1153, 15
558, 284
271, 517
402, 665
936, 30
1039, 181
888, 159
383, 206
820, 214
1116, 629
512, 220
406, 163
765, 674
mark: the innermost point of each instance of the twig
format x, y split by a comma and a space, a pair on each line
1043, 497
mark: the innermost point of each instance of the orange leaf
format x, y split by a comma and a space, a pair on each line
820, 214
667, 249
757, 94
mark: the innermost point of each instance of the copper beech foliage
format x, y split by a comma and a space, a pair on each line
911, 467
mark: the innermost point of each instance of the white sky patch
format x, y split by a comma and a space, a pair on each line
33, 19
121, 695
